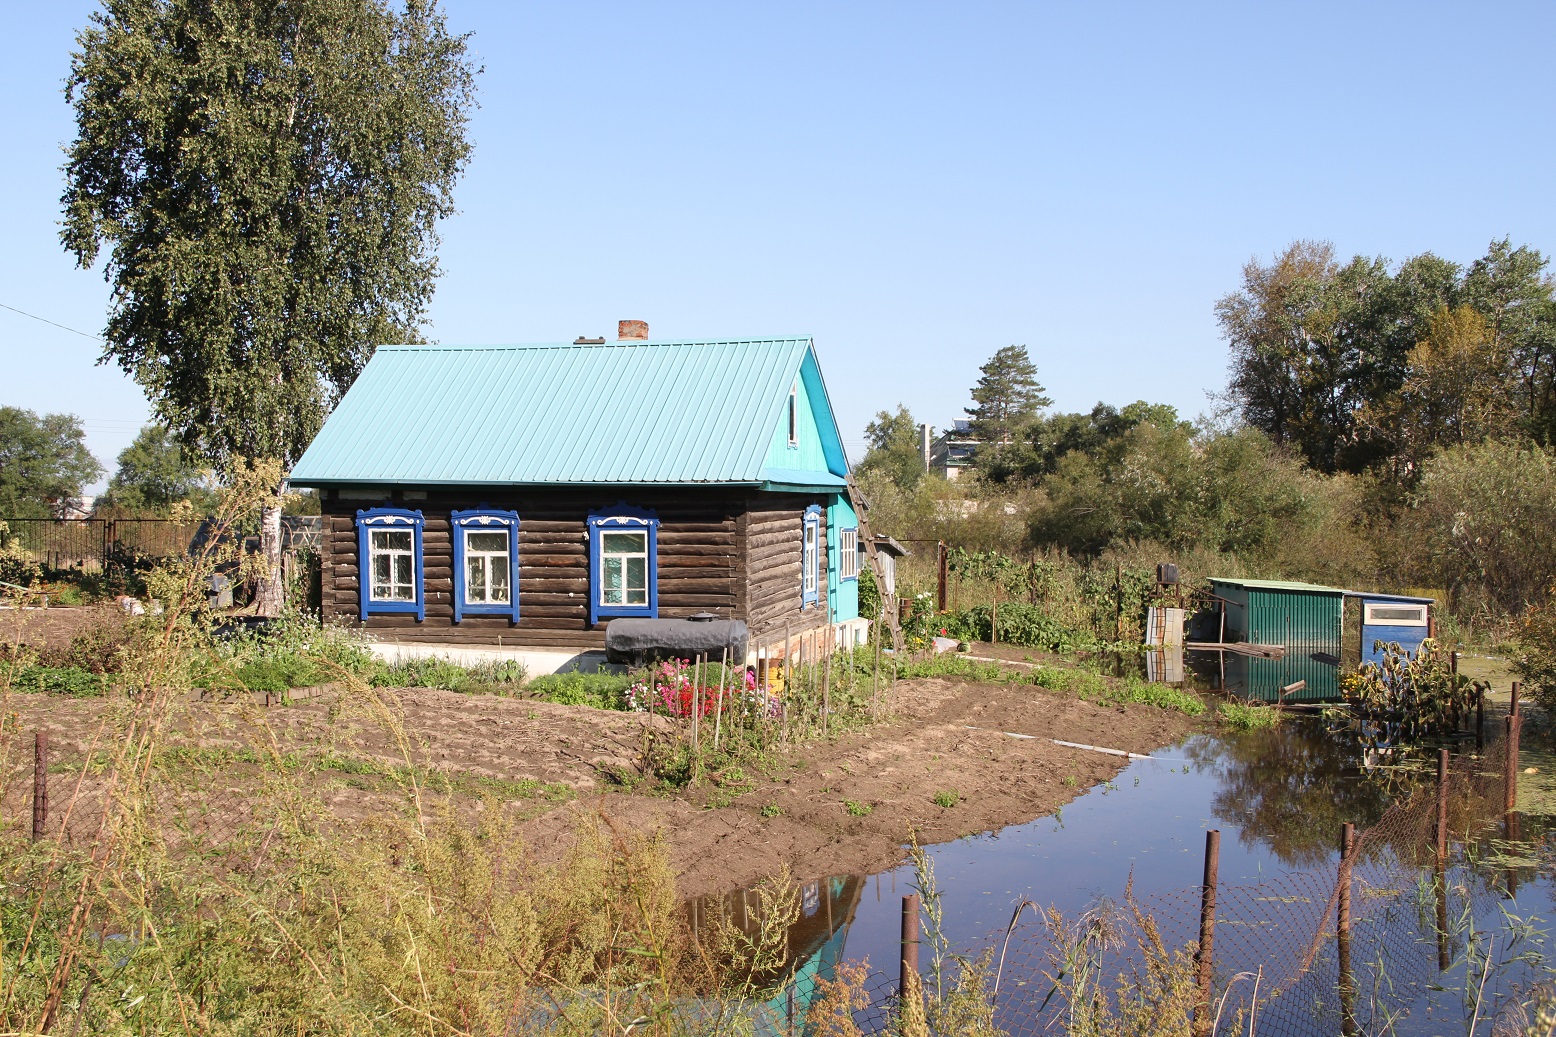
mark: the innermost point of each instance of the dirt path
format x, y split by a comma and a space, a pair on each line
847, 805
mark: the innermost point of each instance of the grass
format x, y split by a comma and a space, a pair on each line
1071, 680
1247, 716
854, 808
947, 798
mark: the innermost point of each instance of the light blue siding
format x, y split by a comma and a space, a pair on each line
842, 595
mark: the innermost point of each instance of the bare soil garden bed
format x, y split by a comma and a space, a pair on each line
827, 807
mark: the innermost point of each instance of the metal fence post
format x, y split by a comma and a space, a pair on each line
1204, 957
940, 576
1343, 931
40, 783
908, 963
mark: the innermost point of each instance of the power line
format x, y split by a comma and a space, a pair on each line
34, 316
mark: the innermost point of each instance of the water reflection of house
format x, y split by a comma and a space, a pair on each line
815, 940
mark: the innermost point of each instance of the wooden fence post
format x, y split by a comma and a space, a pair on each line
908, 965
1510, 765
1343, 930
1480, 721
1204, 957
1442, 804
40, 783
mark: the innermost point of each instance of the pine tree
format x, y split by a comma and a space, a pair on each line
1008, 396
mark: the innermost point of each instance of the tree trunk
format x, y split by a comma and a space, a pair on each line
270, 594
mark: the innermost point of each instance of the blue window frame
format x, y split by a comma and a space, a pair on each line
389, 562
486, 563
623, 563
810, 557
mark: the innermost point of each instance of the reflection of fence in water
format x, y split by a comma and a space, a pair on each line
1402, 928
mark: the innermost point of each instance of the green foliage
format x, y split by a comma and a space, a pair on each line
154, 473
895, 449
16, 564
947, 798
495, 678
1482, 523
869, 594
1404, 699
1535, 659
44, 462
1247, 716
600, 690
267, 180
1343, 363
1019, 624
71, 681
856, 809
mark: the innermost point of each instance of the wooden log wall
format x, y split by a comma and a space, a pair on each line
698, 548
774, 542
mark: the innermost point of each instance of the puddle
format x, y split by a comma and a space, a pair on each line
1278, 797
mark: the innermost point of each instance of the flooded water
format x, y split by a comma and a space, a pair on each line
1279, 799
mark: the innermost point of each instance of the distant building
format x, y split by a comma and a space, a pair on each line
953, 450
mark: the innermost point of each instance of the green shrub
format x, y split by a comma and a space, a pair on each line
495, 678
600, 690
1019, 624
60, 680
947, 798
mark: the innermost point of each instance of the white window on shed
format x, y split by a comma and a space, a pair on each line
1394, 614
848, 554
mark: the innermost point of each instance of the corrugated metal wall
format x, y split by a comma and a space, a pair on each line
1262, 679
1296, 619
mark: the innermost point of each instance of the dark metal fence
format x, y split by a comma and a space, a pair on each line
91, 544
95, 544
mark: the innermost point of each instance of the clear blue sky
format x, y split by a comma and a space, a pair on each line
914, 185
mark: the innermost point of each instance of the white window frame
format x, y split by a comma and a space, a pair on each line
794, 414
1370, 618
626, 587
375, 552
490, 564
848, 553
810, 558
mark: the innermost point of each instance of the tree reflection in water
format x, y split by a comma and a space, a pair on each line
1289, 788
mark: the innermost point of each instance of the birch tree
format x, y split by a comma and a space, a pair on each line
263, 184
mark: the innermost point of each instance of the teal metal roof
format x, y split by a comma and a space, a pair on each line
622, 412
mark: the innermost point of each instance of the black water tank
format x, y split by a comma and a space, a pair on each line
1167, 574
637, 641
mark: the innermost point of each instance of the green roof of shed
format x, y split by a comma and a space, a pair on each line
622, 412
1279, 585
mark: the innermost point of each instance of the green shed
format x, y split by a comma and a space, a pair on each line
1305, 618
1271, 612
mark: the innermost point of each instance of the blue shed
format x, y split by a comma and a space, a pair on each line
1398, 618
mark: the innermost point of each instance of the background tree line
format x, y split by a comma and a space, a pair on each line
1383, 426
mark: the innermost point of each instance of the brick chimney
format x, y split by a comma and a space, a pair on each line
632, 329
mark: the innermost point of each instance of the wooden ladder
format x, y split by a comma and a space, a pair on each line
888, 601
